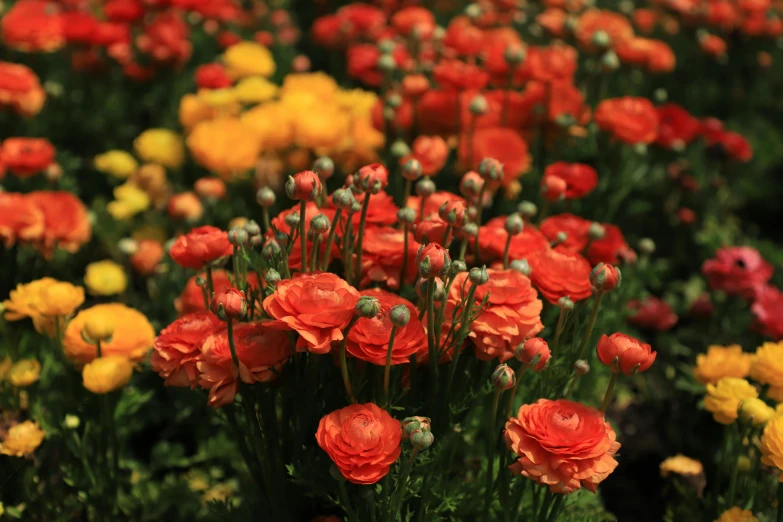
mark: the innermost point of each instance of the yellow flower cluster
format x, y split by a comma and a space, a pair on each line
767, 369
46, 301
105, 278
721, 361
22, 439
681, 465
723, 398
117, 163
737, 514
160, 146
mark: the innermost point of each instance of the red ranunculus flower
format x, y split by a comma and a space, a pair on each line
382, 211
492, 241
261, 351
66, 224
768, 311
311, 210
535, 350
580, 179
653, 55
558, 273
463, 37
611, 248
166, 38
553, 64
212, 76
368, 339
629, 119
358, 20
362, 62
613, 24
677, 127
126, 11
20, 219
574, 227
459, 76
383, 255
437, 112
362, 440
431, 229
414, 18
433, 202
25, 157
652, 313
513, 313
623, 353
192, 298
501, 143
562, 444
229, 303
737, 271
147, 257
200, 246
317, 306
33, 26
178, 348
20, 89
431, 151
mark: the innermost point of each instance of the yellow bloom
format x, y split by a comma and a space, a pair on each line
220, 492
248, 59
5, 366
272, 123
756, 411
723, 399
767, 368
106, 374
44, 301
320, 127
22, 439
363, 137
737, 514
133, 334
358, 102
255, 89
129, 201
193, 109
25, 300
722, 361
319, 85
60, 299
99, 327
237, 222
150, 232
681, 465
24, 372
105, 278
225, 146
772, 445
117, 163
161, 146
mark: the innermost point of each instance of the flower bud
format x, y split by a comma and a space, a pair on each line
610, 61
356, 207
343, 198
252, 228
527, 209
601, 39
534, 352
423, 284
415, 85
292, 220
373, 178
521, 266
565, 303
271, 249
388, 113
386, 46
433, 260
128, 246
646, 246
470, 185
596, 231
553, 188
422, 439
265, 197
473, 11
368, 307
229, 304
491, 169
399, 315
411, 169
581, 367
605, 277
425, 187
238, 236
478, 105
514, 224
394, 101
743, 464
324, 167
272, 276
387, 63
320, 224
458, 266
201, 282
470, 229
453, 213
514, 55
406, 215
305, 185
400, 149
411, 424
71, 422
99, 328
478, 276
503, 378
755, 411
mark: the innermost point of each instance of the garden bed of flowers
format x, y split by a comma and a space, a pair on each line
317, 260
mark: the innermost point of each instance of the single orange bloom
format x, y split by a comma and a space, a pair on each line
20, 219
66, 224
614, 24
629, 119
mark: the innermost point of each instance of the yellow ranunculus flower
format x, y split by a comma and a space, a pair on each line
133, 334
737, 514
318, 84
161, 146
722, 361
60, 299
106, 374
22, 439
129, 201
44, 301
117, 163
772, 445
272, 123
99, 327
105, 278
724, 397
225, 102
248, 59
255, 89
358, 102
756, 411
321, 127
220, 492
767, 368
5, 366
681, 465
25, 300
194, 109
226, 146
24, 373
364, 137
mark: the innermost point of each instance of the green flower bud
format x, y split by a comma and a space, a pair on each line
478, 276
399, 315
368, 307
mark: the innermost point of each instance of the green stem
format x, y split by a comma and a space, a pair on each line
479, 208
590, 326
360, 236
432, 344
345, 500
303, 233
406, 192
210, 286
344, 363
265, 219
422, 203
330, 240
491, 454
505, 251
461, 334
780, 502
446, 236
559, 499
387, 369
463, 247
314, 258
609, 392
404, 267
401, 484
510, 407
561, 319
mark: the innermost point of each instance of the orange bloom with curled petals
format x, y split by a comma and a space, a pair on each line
20, 219
562, 444
66, 224
317, 306
614, 24
431, 151
513, 312
178, 348
20, 89
653, 55
33, 26
493, 236
629, 119
558, 273
362, 440
261, 351
383, 254
505, 145
25, 157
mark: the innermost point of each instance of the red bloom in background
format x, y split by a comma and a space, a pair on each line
503, 144
192, 298
200, 246
414, 18
558, 273
25, 157
20, 89
166, 39
178, 348
147, 257
574, 227
492, 241
463, 37
212, 76
653, 55
652, 314
460, 76
629, 119
126, 11
363, 21
79, 27
733, 144
437, 112
513, 313
556, 63
66, 224
431, 229
327, 31
368, 340
363, 62
382, 211
403, 116
433, 203
737, 271
261, 351
623, 353
614, 24
383, 255
33, 26
768, 311
431, 151
611, 248
311, 210
20, 219
677, 127
580, 179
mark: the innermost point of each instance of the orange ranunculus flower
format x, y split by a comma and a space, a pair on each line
558, 273
623, 353
186, 206
368, 339
383, 255
261, 351
553, 21
33, 26
226, 146
192, 298
200, 246
562, 444
178, 348
630, 119
311, 210
148, 255
431, 151
493, 236
317, 306
362, 440
20, 219
614, 24
25, 157
513, 312
653, 55
553, 64
20, 89
132, 338
66, 224
503, 144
